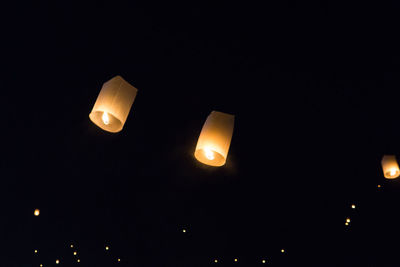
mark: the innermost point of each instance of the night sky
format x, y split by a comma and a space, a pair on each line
314, 87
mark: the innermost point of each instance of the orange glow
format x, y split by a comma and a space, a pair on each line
113, 104
209, 154
390, 167
105, 118
215, 139
36, 212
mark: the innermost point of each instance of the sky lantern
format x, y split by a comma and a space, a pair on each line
390, 167
36, 212
215, 139
113, 104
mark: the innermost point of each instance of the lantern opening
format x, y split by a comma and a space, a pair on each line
210, 157
108, 121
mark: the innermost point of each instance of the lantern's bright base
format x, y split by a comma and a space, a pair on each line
112, 124
209, 157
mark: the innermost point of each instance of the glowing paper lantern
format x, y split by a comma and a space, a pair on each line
113, 104
36, 212
215, 139
390, 167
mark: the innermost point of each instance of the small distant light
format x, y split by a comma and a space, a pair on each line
36, 212
353, 206
72, 246
346, 223
263, 261
107, 247
57, 261
379, 185
215, 260
75, 253
78, 260
282, 250
119, 259
236, 260
184, 230
35, 250
348, 220
41, 265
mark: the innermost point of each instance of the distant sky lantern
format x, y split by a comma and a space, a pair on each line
113, 104
215, 139
390, 167
36, 212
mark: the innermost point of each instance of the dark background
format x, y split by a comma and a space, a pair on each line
314, 87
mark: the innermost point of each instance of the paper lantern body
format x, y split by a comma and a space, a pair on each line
390, 167
215, 139
113, 104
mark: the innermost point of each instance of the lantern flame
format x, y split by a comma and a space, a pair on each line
209, 154
393, 172
105, 118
